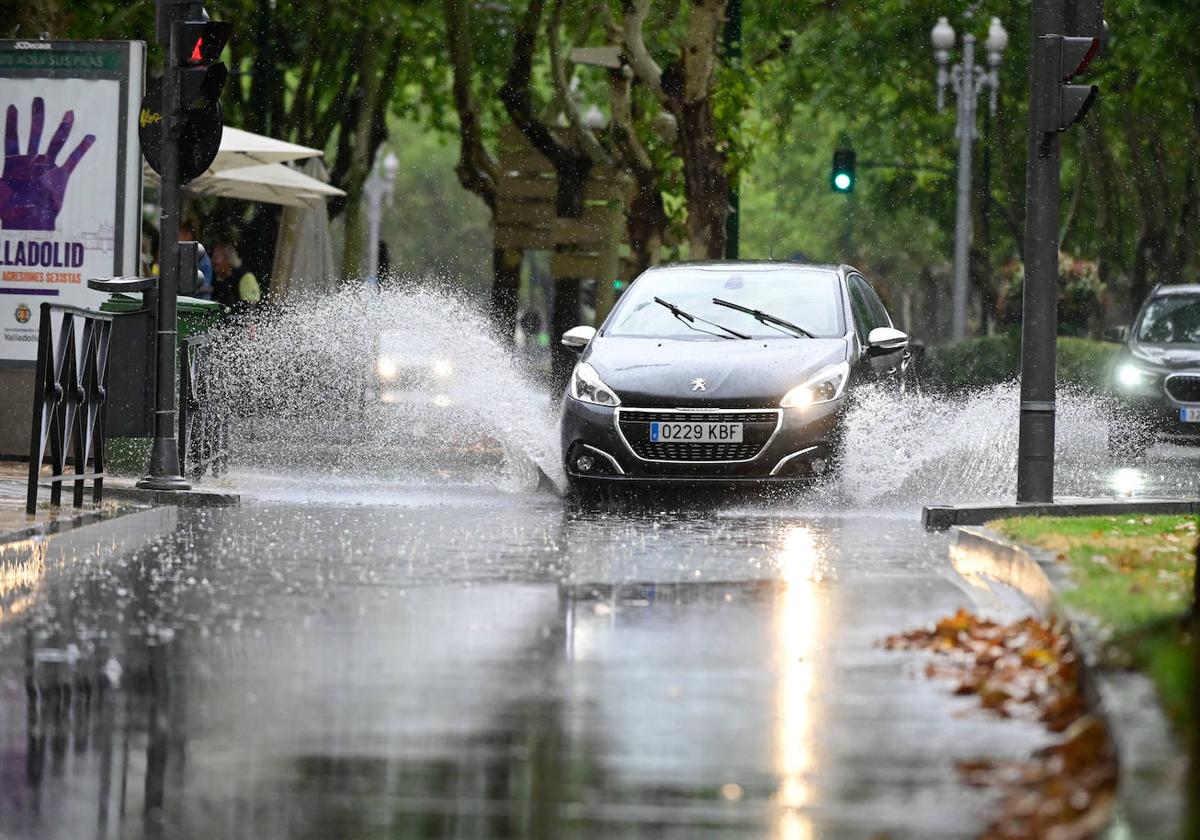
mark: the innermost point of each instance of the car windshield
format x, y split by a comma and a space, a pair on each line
809, 298
1171, 319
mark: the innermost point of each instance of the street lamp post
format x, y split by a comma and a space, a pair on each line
378, 190
967, 80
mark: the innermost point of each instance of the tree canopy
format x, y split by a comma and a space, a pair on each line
696, 112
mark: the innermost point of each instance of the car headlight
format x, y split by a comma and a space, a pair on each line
387, 368
443, 368
1131, 377
825, 387
588, 387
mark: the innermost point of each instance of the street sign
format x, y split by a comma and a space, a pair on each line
199, 140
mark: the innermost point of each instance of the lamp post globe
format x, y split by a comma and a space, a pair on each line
391, 166
942, 35
997, 38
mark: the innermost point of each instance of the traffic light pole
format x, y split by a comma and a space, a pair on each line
164, 456
1039, 319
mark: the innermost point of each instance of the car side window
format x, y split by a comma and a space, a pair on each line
869, 311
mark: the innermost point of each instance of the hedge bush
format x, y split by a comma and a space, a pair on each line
990, 360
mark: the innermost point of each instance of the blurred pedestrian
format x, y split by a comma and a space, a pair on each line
187, 233
233, 285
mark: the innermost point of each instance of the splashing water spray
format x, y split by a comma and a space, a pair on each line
407, 384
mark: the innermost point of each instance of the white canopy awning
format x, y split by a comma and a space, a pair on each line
245, 148
250, 167
273, 183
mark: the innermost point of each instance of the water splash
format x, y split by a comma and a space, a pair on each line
938, 448
303, 385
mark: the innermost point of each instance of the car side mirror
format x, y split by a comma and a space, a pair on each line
577, 338
1117, 335
884, 340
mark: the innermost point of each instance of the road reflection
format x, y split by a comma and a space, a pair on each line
465, 672
799, 618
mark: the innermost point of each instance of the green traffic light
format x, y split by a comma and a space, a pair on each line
618, 285
841, 175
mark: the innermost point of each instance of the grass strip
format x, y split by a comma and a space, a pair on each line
1134, 574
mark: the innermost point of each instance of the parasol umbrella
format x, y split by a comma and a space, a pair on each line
303, 247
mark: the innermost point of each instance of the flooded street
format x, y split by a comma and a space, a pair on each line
396, 635
467, 663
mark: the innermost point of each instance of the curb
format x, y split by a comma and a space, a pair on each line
67, 523
176, 498
981, 552
942, 517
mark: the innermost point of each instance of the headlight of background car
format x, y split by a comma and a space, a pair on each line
825, 387
387, 368
443, 368
588, 387
1137, 380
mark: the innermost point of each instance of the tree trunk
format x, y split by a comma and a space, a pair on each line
705, 181
359, 166
563, 316
506, 290
1147, 263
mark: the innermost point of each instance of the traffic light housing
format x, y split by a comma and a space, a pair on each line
186, 101
843, 175
198, 45
1059, 59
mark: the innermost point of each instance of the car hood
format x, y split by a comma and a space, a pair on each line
756, 373
1170, 356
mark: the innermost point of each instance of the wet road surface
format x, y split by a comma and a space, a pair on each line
468, 662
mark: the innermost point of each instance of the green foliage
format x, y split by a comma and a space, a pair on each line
1135, 575
433, 226
990, 360
1083, 298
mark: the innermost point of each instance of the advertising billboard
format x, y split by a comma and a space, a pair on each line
70, 185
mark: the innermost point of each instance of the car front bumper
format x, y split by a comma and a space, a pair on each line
1157, 414
802, 444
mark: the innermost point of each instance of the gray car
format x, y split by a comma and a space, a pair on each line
1156, 378
724, 372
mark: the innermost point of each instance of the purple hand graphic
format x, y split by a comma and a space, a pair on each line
33, 185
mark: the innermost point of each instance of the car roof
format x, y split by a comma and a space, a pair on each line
1182, 289
748, 265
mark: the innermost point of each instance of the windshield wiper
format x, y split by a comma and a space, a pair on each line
688, 318
765, 317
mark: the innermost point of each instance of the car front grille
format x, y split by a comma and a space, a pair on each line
757, 430
1184, 387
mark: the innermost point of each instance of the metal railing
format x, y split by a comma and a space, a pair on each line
68, 402
203, 433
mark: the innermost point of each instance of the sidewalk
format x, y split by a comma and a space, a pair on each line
121, 495
15, 524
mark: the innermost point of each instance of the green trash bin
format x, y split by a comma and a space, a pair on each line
130, 455
194, 315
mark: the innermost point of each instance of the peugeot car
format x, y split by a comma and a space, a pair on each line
1156, 378
724, 372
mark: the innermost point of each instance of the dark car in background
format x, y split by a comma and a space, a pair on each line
1156, 378
724, 372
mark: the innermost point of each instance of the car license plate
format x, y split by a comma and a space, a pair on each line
695, 432
1189, 415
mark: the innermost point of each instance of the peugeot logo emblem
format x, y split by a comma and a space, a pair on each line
699, 385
